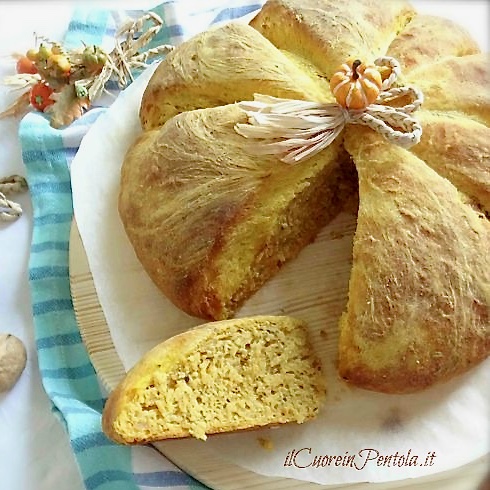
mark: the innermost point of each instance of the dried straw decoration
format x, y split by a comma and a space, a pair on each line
65, 83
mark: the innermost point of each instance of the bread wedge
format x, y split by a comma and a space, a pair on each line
219, 377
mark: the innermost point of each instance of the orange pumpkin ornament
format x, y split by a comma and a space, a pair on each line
356, 86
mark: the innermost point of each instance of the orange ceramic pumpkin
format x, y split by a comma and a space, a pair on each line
356, 86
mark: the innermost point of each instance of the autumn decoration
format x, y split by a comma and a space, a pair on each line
356, 85
64, 83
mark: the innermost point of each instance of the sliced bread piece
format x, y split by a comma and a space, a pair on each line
219, 377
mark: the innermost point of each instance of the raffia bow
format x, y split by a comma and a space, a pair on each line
299, 129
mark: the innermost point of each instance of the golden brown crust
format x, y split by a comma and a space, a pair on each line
419, 295
222, 66
456, 84
457, 148
327, 33
427, 39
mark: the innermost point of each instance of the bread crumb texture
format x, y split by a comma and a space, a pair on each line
219, 377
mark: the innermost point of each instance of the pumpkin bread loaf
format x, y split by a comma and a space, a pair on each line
218, 219
219, 377
427, 39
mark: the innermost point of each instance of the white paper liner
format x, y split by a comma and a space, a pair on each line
451, 421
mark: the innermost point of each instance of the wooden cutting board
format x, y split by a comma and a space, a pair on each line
202, 464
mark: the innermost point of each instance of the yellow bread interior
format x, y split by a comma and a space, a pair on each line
219, 377
214, 219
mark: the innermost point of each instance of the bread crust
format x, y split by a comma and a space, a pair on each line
458, 148
221, 66
457, 85
427, 38
419, 293
325, 33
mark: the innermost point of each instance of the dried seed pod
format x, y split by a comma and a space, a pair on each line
13, 359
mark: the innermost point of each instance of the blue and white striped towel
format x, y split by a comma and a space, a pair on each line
67, 373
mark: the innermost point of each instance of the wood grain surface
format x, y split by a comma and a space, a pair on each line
202, 464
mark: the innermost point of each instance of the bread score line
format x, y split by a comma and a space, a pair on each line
212, 221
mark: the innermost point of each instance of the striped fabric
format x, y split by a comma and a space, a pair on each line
67, 373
